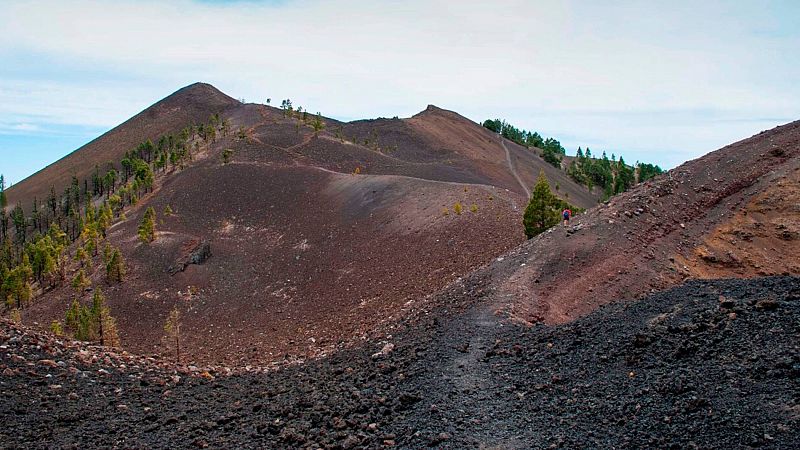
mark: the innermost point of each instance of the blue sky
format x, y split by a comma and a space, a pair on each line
654, 81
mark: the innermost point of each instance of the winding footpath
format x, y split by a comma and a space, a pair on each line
513, 169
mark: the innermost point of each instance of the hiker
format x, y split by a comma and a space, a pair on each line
566, 214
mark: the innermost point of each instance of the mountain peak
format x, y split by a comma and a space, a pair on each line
433, 109
201, 93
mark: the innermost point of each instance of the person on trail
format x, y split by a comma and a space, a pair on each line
566, 214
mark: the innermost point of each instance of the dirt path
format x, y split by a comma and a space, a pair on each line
466, 391
513, 169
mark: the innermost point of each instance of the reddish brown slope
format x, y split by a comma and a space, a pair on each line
303, 259
461, 150
306, 255
731, 213
192, 104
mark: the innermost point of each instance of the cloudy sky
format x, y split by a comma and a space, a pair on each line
654, 81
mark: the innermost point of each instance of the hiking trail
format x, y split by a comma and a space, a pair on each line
514, 170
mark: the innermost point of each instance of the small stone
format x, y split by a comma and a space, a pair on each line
766, 305
443, 437
339, 423
350, 442
48, 363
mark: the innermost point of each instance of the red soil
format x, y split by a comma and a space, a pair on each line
306, 257
731, 213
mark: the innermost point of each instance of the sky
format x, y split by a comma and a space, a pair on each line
655, 81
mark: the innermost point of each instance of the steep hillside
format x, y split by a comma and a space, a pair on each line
192, 104
731, 213
316, 238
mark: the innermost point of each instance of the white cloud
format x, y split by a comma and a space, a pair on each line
596, 73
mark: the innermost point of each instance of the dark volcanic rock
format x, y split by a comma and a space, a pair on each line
675, 370
201, 253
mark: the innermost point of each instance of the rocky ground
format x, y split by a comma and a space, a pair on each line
711, 364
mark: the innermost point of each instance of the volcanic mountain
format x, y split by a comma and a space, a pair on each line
518, 349
315, 237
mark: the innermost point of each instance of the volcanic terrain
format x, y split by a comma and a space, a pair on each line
345, 304
316, 239
706, 365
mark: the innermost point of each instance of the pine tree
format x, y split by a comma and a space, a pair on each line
147, 228
542, 211
20, 223
115, 268
173, 329
82, 256
60, 243
226, 155
77, 321
3, 199
3, 205
80, 282
317, 123
93, 323
104, 218
106, 327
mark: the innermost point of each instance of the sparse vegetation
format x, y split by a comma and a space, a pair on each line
168, 211
173, 329
115, 267
552, 151
92, 323
56, 328
473, 208
457, 208
80, 282
543, 210
612, 175
147, 228
286, 106
647, 171
317, 124
35, 258
226, 155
